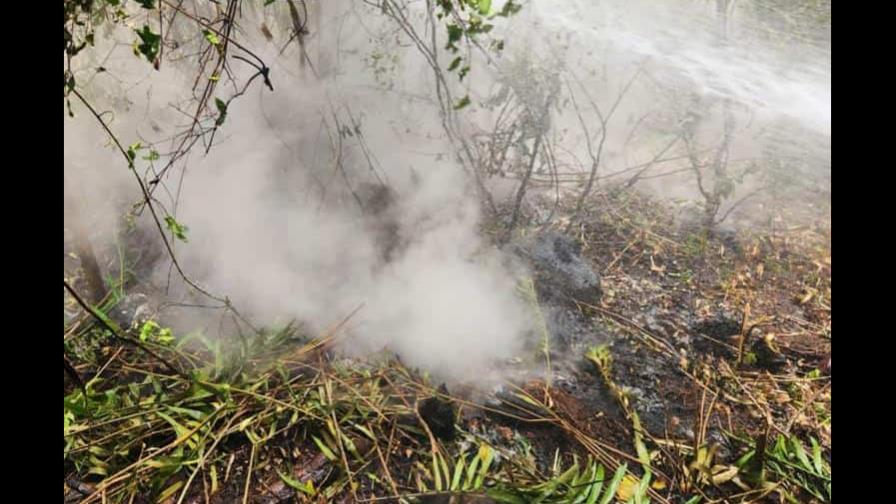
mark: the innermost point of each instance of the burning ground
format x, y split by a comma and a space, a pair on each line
671, 365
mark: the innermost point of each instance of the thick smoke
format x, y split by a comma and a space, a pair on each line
430, 289
339, 189
283, 212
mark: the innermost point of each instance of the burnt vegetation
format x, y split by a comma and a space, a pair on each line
679, 349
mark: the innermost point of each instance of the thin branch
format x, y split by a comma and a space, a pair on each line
738, 203
521, 192
637, 176
596, 157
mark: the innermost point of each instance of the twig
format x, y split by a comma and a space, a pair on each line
521, 192
596, 157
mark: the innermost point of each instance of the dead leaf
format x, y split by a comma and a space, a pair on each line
781, 397
810, 293
627, 488
723, 474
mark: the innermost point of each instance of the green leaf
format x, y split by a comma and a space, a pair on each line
509, 9
485, 6
462, 103
505, 496
307, 488
153, 156
597, 486
643, 486
454, 64
816, 456
179, 429
148, 329
436, 476
132, 153
149, 45
325, 449
443, 465
367, 432
212, 37
178, 230
147, 4
487, 455
168, 492
800, 453
454, 34
614, 485
222, 111
471, 473
458, 471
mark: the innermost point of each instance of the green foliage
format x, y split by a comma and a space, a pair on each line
221, 105
149, 44
795, 468
211, 36
79, 27
132, 153
306, 488
470, 20
178, 230
576, 484
454, 34
152, 332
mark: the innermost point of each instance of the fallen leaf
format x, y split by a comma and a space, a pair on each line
627, 488
723, 474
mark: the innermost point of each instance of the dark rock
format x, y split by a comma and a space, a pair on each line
439, 415
767, 356
715, 336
